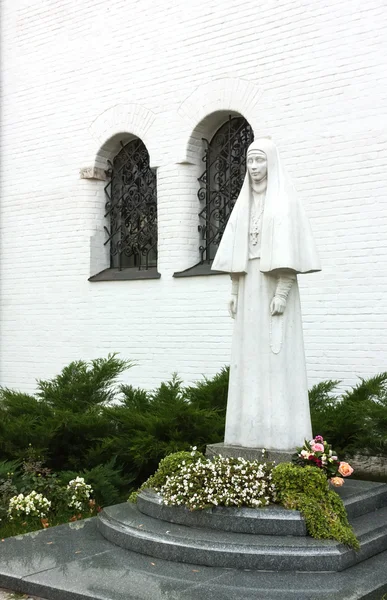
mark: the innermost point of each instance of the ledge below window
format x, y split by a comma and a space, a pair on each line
125, 275
203, 268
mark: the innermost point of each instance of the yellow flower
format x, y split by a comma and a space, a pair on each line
337, 481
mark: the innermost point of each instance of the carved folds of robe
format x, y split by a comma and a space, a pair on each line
267, 239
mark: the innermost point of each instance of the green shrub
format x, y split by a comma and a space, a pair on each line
108, 483
356, 421
8, 467
307, 490
211, 394
24, 420
172, 418
80, 420
65, 421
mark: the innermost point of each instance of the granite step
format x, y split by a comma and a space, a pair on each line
271, 520
371, 531
74, 562
125, 526
359, 497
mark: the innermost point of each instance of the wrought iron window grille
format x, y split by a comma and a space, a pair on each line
221, 181
131, 208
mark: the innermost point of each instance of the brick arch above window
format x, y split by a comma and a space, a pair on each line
122, 122
209, 103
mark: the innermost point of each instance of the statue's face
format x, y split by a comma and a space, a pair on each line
257, 166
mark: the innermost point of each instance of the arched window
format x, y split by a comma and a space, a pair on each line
225, 160
131, 208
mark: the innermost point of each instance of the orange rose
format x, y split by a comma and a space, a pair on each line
337, 481
345, 469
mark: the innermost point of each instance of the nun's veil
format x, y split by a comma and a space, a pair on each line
286, 237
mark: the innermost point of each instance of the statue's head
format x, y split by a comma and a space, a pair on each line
256, 162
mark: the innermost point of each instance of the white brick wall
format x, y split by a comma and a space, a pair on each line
77, 74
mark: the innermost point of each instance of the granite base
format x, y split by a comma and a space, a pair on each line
228, 451
77, 563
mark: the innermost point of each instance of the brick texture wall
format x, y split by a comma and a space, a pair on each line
80, 75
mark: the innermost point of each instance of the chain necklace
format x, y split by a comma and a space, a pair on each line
255, 222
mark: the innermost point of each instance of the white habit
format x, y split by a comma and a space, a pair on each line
267, 242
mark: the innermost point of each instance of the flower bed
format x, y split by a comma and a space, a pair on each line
221, 482
192, 480
33, 498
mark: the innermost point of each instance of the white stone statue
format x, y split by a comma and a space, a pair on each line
266, 243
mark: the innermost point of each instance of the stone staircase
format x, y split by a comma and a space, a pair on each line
158, 552
268, 539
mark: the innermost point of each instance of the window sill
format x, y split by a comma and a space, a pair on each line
125, 275
200, 269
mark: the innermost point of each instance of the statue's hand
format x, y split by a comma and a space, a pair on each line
232, 305
277, 306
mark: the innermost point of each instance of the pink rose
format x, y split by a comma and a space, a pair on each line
337, 481
318, 448
345, 469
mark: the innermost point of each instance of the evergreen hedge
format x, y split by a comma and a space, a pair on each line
83, 422
355, 421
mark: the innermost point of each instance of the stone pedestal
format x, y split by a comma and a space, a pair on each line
277, 456
149, 551
270, 539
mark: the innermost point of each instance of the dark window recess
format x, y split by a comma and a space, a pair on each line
225, 160
132, 209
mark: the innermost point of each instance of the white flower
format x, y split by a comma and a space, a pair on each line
33, 504
80, 493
